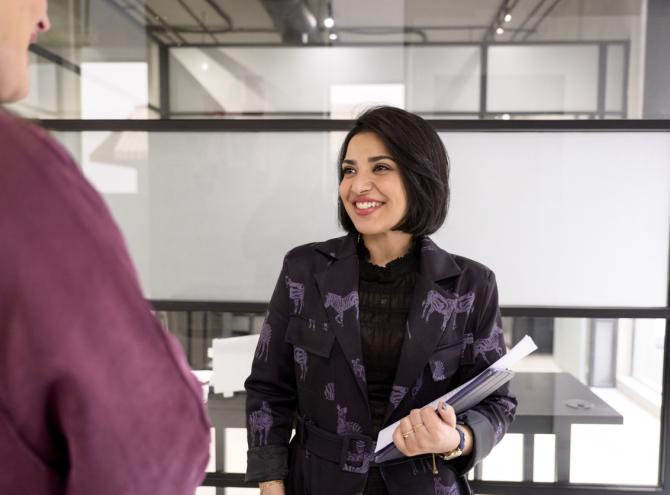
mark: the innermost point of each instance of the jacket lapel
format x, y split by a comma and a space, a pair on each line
426, 322
338, 286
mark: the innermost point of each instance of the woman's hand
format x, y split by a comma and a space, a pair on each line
274, 489
426, 431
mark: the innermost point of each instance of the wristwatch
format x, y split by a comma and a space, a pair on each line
453, 454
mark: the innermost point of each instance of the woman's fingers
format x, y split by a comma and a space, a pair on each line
424, 430
402, 436
447, 413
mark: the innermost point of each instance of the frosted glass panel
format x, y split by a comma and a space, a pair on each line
562, 218
543, 78
443, 79
291, 79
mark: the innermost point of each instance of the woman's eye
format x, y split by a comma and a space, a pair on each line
381, 167
347, 170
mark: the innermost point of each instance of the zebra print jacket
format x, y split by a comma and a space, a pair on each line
309, 363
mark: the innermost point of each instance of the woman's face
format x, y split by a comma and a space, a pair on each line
372, 189
20, 23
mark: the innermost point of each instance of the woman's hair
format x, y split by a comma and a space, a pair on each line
423, 163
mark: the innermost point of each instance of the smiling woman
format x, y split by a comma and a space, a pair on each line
378, 356
21, 21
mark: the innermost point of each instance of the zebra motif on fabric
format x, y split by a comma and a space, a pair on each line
358, 460
398, 393
490, 343
437, 303
260, 422
441, 489
437, 369
296, 292
263, 346
300, 357
341, 304
345, 427
359, 369
329, 391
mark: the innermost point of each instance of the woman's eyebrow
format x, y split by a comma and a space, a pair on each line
373, 159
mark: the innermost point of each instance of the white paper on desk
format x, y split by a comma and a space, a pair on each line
522, 349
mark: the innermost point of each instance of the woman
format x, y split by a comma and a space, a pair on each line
365, 329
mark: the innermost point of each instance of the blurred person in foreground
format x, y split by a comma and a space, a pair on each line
95, 397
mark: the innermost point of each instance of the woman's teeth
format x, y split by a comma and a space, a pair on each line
368, 204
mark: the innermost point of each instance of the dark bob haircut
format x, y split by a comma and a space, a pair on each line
423, 163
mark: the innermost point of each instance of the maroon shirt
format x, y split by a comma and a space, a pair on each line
95, 397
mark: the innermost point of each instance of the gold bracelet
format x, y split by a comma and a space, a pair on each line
265, 484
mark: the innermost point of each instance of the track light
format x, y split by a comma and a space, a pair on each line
508, 17
332, 36
500, 30
329, 22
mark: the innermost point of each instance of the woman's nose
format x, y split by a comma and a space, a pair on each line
362, 184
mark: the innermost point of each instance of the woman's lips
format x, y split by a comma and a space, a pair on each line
367, 211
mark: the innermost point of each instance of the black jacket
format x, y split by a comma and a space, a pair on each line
309, 363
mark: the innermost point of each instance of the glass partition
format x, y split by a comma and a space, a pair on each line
110, 59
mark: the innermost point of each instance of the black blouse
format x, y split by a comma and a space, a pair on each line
385, 298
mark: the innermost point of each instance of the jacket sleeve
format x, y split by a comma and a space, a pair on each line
96, 387
271, 392
490, 418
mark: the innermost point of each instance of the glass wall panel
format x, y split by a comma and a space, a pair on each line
562, 218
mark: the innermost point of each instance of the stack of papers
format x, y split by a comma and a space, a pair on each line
465, 396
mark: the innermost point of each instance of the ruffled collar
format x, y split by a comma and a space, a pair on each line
399, 266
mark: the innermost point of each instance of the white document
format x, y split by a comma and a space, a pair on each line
522, 349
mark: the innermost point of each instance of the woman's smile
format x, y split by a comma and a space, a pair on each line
365, 206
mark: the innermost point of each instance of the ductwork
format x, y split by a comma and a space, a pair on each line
295, 20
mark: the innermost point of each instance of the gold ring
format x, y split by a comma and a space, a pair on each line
414, 427
408, 433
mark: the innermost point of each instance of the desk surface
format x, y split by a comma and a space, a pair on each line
544, 400
549, 398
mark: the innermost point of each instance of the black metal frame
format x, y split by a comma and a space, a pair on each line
328, 125
483, 112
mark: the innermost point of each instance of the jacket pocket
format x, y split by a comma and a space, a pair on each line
311, 338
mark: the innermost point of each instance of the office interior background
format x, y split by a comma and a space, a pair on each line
211, 128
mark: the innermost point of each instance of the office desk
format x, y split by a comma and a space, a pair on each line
548, 403
552, 403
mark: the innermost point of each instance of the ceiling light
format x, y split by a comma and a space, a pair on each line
329, 22
500, 30
506, 116
204, 66
332, 36
508, 17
